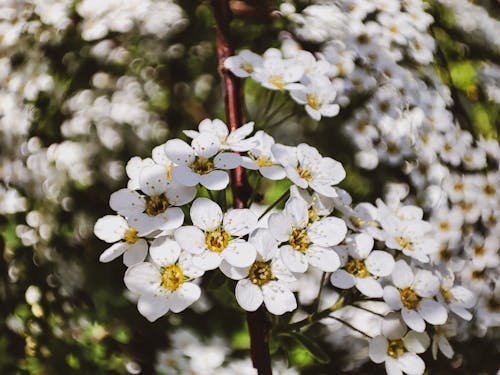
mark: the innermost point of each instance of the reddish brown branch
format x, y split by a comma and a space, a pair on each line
257, 324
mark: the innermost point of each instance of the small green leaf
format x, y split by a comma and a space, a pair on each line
311, 346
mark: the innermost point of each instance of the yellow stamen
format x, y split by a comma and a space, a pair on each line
396, 348
260, 273
130, 235
299, 239
217, 240
409, 298
202, 166
357, 268
156, 204
277, 81
172, 277
313, 102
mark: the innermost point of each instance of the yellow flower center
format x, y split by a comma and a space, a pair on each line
172, 277
263, 161
489, 190
395, 348
313, 102
409, 298
447, 295
357, 268
217, 240
260, 273
299, 239
130, 235
444, 226
277, 81
313, 215
304, 173
479, 250
169, 172
405, 243
458, 186
247, 67
393, 29
202, 166
156, 204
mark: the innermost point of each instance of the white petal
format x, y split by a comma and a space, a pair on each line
417, 342
179, 152
413, 319
152, 306
206, 145
113, 252
215, 180
239, 253
126, 202
172, 218
273, 172
191, 239
184, 296
293, 175
185, 262
392, 367
264, 242
153, 180
294, 260
360, 245
277, 298
370, 287
328, 231
330, 110
185, 175
342, 279
380, 263
445, 347
333, 170
377, 350
411, 364
432, 311
461, 312
179, 195
227, 160
393, 326
463, 296
315, 114
296, 208
280, 225
322, 258
143, 278
285, 155
110, 228
159, 156
239, 222
425, 284
248, 295
207, 260
206, 214
235, 273
402, 275
136, 253
392, 297
164, 251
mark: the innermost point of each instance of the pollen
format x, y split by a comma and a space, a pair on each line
299, 239
260, 273
312, 101
395, 348
405, 243
247, 67
172, 277
202, 166
357, 221
313, 215
156, 204
489, 190
168, 173
305, 173
263, 161
447, 295
277, 81
409, 298
217, 240
357, 268
130, 235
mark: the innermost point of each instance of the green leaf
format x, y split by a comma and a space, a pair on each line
312, 347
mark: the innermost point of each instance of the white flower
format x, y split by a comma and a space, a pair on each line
261, 158
399, 348
234, 141
414, 297
153, 211
361, 266
243, 64
164, 284
113, 228
317, 96
306, 244
214, 237
319, 205
265, 281
278, 74
199, 163
133, 169
305, 167
457, 298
